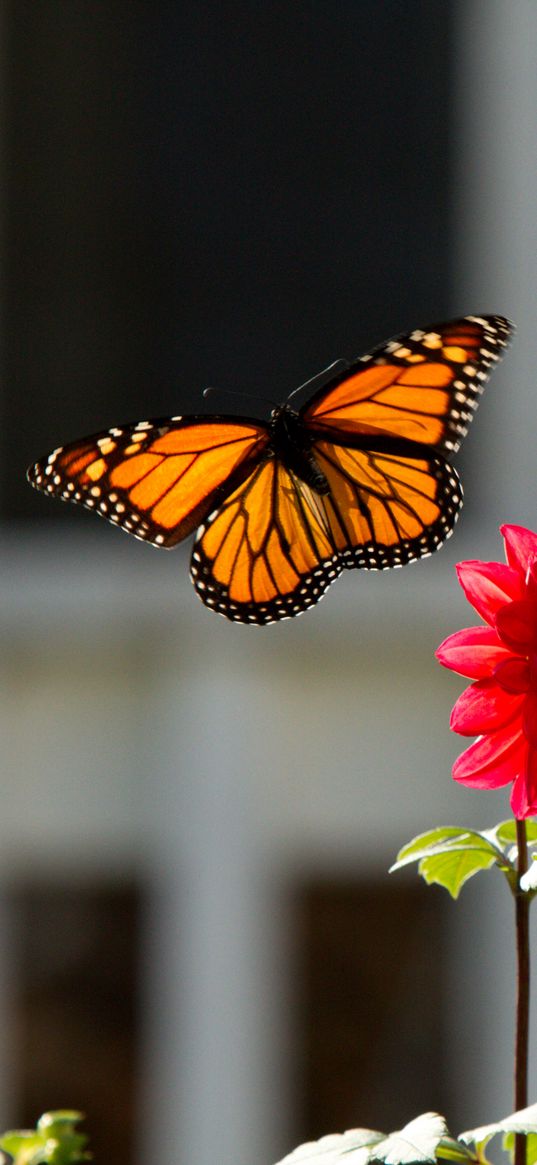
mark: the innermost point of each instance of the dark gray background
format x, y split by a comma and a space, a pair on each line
231, 194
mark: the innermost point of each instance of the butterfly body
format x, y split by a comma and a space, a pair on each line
292, 444
358, 477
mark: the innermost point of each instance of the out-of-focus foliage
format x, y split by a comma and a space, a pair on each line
54, 1141
424, 1140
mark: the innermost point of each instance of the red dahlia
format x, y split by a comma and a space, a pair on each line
500, 706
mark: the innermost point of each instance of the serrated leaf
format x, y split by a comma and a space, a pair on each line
451, 870
456, 847
354, 1144
416, 1143
467, 840
524, 1121
414, 851
432, 838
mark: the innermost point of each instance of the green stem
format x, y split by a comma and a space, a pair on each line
522, 903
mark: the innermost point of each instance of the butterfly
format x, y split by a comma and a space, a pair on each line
358, 477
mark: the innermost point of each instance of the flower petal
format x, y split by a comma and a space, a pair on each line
489, 586
531, 781
524, 792
501, 658
493, 761
530, 718
520, 546
484, 707
516, 624
513, 674
474, 652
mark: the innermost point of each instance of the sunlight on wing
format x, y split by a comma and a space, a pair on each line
268, 552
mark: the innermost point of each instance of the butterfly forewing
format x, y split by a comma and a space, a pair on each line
157, 480
275, 545
422, 386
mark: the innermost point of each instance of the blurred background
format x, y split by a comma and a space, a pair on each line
199, 943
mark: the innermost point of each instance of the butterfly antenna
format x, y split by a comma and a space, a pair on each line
321, 378
237, 392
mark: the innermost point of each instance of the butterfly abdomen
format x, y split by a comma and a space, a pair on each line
292, 443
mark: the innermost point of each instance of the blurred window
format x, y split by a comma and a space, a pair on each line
372, 1000
76, 1021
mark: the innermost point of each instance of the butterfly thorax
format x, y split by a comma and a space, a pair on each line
292, 443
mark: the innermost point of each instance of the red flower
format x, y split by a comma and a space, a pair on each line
501, 658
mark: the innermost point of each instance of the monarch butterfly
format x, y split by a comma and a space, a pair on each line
357, 477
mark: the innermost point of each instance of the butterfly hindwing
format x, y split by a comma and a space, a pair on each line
385, 509
275, 546
421, 386
158, 479
267, 553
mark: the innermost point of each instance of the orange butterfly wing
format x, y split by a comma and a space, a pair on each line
268, 552
387, 509
274, 546
424, 386
158, 479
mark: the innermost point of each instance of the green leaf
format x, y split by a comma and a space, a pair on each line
524, 1121
461, 839
415, 1144
451, 1150
418, 1141
354, 1145
451, 870
448, 856
425, 841
54, 1141
506, 832
22, 1146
